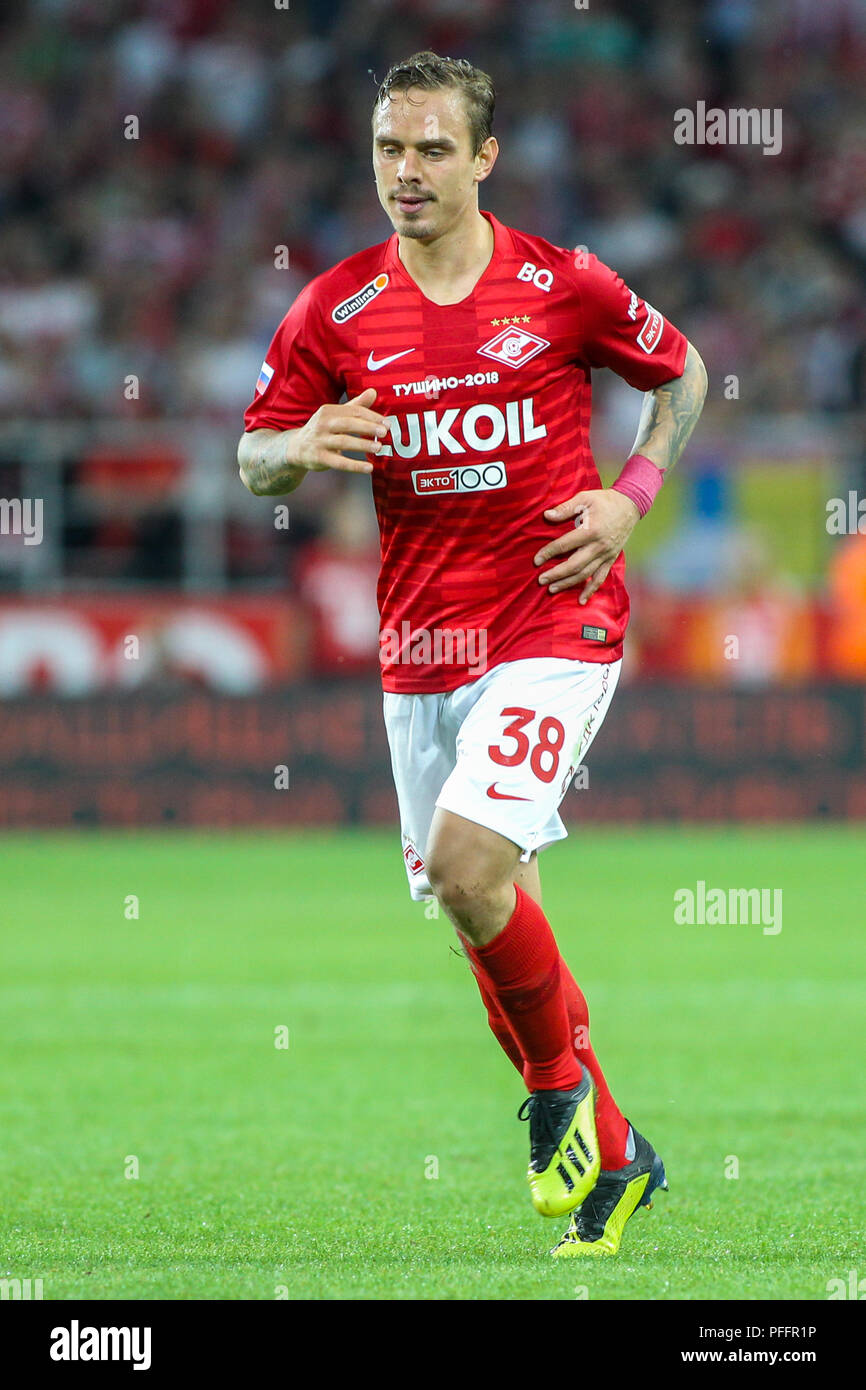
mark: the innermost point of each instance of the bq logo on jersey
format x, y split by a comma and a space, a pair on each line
514, 346
651, 334
359, 301
482, 479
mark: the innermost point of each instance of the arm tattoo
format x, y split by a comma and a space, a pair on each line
269, 477
267, 480
670, 413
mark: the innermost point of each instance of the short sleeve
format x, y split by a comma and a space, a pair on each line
295, 378
624, 332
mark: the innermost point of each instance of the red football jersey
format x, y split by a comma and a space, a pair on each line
488, 405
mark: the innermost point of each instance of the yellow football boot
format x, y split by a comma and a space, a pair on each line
596, 1229
564, 1161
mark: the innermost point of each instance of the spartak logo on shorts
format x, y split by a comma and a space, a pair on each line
359, 301
513, 346
414, 862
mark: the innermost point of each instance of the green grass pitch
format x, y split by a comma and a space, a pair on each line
378, 1155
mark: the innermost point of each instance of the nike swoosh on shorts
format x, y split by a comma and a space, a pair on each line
504, 796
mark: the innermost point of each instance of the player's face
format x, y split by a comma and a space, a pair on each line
426, 173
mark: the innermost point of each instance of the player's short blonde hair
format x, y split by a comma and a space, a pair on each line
429, 71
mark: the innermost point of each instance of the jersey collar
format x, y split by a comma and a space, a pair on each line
501, 246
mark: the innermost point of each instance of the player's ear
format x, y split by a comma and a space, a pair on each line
486, 158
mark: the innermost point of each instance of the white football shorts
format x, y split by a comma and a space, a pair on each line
501, 751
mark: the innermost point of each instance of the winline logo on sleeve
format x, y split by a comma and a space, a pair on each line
356, 302
77, 1343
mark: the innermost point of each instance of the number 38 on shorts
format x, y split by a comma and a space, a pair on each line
543, 753
500, 751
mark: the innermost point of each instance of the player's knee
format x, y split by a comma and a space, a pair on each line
442, 878
441, 864
463, 890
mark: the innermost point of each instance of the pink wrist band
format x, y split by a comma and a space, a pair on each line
640, 480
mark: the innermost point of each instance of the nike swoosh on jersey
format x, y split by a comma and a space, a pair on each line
374, 366
504, 796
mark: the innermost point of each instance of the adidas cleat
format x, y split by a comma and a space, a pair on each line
564, 1160
596, 1229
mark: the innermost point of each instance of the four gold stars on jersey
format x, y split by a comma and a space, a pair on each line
518, 318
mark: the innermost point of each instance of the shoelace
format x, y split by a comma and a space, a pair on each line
529, 1105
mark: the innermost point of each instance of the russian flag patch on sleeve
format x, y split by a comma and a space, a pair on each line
264, 378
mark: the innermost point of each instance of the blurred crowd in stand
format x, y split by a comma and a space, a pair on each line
172, 172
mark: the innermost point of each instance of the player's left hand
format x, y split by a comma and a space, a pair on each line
604, 520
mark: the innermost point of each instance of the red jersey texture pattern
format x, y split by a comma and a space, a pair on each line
488, 406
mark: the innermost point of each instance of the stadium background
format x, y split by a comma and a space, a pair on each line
159, 929
172, 175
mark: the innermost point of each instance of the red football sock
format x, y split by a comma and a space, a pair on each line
522, 965
498, 1027
611, 1124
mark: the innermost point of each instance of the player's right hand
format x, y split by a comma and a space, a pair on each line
334, 430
